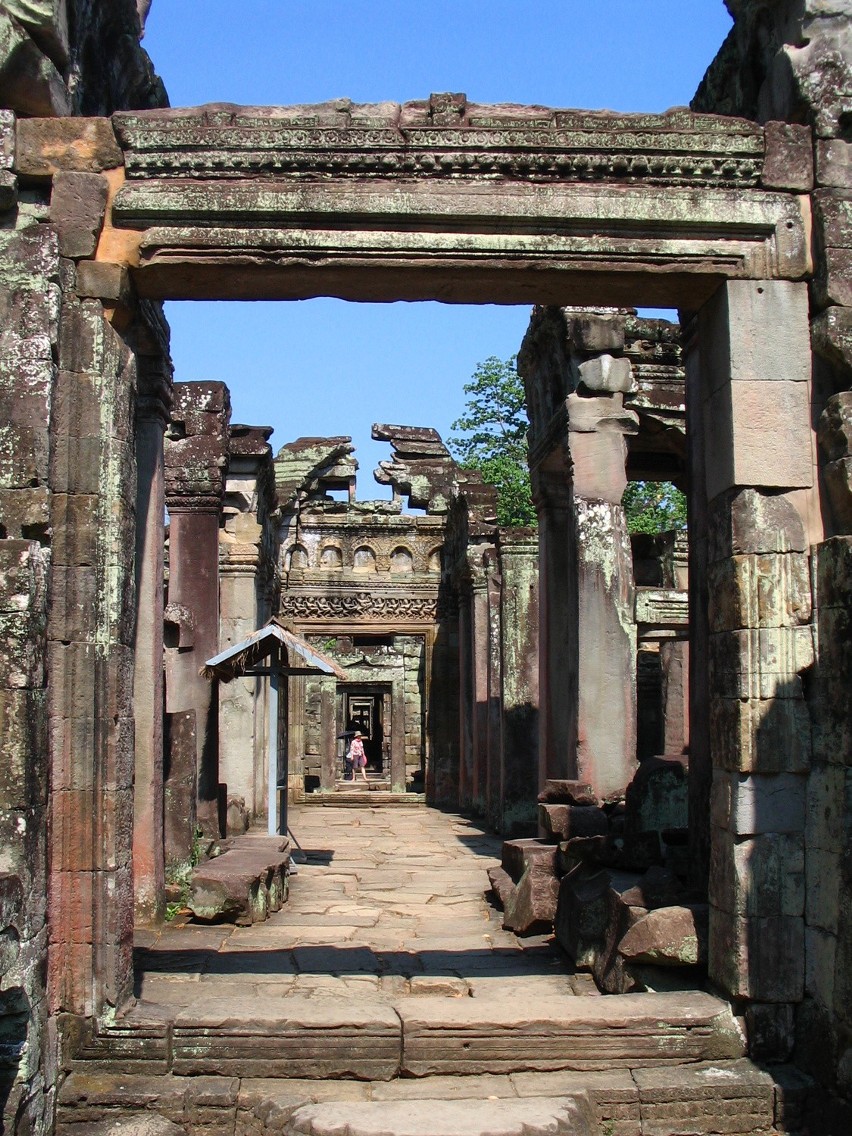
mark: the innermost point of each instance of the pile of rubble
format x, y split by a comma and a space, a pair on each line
611, 880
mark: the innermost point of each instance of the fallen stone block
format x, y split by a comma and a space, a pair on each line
502, 885
517, 855
631, 852
561, 792
658, 887
243, 885
532, 909
582, 914
668, 936
656, 798
608, 967
561, 822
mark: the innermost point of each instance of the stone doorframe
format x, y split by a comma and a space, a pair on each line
449, 201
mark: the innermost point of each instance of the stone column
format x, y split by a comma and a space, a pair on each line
576, 376
153, 403
397, 769
329, 766
606, 646
91, 662
494, 718
479, 722
674, 657
520, 699
558, 661
247, 556
465, 700
755, 404
196, 456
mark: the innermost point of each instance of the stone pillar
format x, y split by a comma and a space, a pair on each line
397, 762
153, 403
479, 663
465, 700
91, 661
606, 712
247, 557
295, 738
196, 455
755, 407
494, 718
519, 705
576, 376
824, 1022
588, 636
558, 662
329, 765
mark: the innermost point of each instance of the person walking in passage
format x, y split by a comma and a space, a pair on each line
356, 752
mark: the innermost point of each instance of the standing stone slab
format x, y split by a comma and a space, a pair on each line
565, 1033
288, 1038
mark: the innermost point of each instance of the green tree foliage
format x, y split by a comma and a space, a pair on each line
493, 437
654, 507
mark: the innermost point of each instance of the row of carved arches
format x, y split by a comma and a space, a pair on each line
399, 562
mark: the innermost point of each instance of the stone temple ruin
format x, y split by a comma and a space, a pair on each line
518, 675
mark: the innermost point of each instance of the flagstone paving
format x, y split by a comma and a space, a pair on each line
386, 904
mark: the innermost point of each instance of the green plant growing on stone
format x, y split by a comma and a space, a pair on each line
654, 507
493, 437
179, 874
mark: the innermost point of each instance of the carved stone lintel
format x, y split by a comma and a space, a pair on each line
445, 137
360, 605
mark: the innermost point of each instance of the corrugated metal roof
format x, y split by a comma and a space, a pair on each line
241, 658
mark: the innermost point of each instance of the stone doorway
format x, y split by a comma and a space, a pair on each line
474, 204
369, 710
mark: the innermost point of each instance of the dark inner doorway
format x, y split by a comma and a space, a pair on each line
365, 711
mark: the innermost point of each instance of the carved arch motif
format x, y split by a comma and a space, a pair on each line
401, 560
364, 559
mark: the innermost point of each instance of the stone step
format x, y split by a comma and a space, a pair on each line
364, 796
734, 1097
415, 1037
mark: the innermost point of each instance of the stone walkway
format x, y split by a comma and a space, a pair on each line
387, 903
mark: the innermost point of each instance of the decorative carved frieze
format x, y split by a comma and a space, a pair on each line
214, 143
364, 605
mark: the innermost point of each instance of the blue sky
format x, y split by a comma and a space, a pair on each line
328, 367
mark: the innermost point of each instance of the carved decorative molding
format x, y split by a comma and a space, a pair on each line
235, 143
667, 607
365, 605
